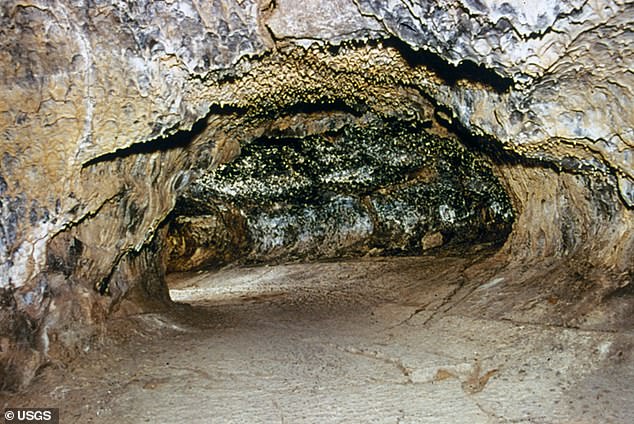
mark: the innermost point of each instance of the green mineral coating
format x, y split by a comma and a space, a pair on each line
383, 185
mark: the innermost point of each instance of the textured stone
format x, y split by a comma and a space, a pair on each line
97, 100
376, 187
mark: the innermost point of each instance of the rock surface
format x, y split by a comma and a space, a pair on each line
375, 188
108, 109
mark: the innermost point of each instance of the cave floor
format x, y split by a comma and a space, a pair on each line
400, 340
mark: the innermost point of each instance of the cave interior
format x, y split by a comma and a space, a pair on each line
356, 216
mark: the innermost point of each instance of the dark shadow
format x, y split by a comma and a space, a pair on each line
495, 149
217, 109
466, 70
180, 139
320, 106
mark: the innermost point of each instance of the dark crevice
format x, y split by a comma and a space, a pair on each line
320, 106
493, 148
181, 139
222, 109
626, 291
451, 74
103, 285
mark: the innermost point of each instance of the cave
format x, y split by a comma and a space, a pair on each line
333, 211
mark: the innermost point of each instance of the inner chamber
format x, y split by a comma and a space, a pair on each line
379, 187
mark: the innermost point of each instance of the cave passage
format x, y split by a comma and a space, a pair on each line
353, 275
305, 212
378, 188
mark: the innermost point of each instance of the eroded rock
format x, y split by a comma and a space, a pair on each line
94, 94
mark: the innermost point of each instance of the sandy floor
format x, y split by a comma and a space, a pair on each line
367, 341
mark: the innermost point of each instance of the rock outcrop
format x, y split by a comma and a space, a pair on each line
108, 109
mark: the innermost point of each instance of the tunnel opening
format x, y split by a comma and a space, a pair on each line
384, 187
358, 195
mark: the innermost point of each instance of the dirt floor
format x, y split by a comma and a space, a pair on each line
400, 340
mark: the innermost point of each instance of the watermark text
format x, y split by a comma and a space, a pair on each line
31, 416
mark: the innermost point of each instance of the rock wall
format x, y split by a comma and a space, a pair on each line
109, 108
374, 187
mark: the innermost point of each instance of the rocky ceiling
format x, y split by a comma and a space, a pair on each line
110, 109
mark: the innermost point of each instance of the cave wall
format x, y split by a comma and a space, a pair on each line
373, 187
108, 109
